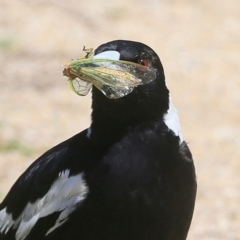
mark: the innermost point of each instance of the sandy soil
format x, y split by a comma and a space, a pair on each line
199, 45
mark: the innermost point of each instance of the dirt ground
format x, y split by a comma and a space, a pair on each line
199, 45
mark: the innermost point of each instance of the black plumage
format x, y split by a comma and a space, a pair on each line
134, 176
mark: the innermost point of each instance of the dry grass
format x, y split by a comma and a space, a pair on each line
199, 44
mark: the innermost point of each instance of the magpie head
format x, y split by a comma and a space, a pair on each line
149, 100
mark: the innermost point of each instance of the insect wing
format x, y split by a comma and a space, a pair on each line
112, 83
114, 93
80, 86
113, 78
139, 73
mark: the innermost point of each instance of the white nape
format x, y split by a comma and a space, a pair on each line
113, 55
64, 196
171, 119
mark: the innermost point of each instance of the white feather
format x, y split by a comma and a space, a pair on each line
6, 221
64, 196
171, 119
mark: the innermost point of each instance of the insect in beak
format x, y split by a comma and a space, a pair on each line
114, 78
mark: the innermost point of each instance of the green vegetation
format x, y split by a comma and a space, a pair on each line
15, 145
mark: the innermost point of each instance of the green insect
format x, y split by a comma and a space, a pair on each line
114, 78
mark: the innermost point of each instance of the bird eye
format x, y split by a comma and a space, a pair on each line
144, 62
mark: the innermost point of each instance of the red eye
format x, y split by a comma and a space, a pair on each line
144, 62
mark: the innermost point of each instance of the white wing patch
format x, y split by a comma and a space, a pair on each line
64, 196
6, 221
171, 119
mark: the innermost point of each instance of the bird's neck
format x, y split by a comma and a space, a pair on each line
111, 119
108, 131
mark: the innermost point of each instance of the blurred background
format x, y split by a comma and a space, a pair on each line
199, 45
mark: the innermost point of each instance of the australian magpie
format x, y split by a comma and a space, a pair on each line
129, 176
